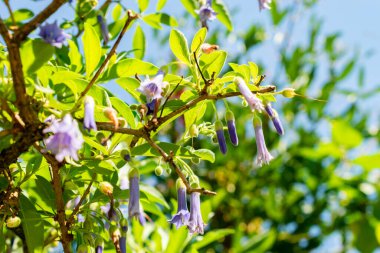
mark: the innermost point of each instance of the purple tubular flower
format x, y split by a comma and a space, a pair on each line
99, 245
181, 218
66, 139
53, 35
195, 224
263, 155
275, 119
134, 194
104, 29
89, 118
264, 4
254, 102
123, 238
232, 128
220, 135
152, 88
206, 13
151, 106
142, 219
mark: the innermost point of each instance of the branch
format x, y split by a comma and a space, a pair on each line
21, 34
5, 32
70, 220
168, 97
170, 161
130, 18
61, 216
111, 127
194, 102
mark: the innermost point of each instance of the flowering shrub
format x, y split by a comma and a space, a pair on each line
79, 160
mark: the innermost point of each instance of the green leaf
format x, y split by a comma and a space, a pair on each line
153, 20
194, 114
75, 57
198, 39
345, 135
179, 47
34, 54
124, 110
32, 225
223, 14
364, 235
205, 154
177, 239
130, 85
213, 63
153, 195
211, 237
190, 6
116, 13
92, 48
143, 4
160, 4
131, 67
20, 15
95, 145
259, 243
45, 191
368, 162
139, 43
253, 69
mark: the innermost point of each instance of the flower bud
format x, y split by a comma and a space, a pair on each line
168, 170
193, 131
125, 155
208, 48
220, 136
106, 188
122, 122
99, 245
111, 114
288, 92
232, 128
158, 170
13, 222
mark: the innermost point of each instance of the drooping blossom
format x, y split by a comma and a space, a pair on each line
89, 117
152, 88
253, 101
181, 218
264, 4
53, 35
134, 194
208, 48
104, 29
220, 136
123, 238
111, 114
195, 224
66, 139
141, 218
99, 245
263, 155
206, 13
272, 113
232, 128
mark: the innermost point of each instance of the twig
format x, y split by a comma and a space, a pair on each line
22, 33
70, 220
168, 97
199, 69
61, 216
130, 18
10, 11
111, 127
5, 32
169, 159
